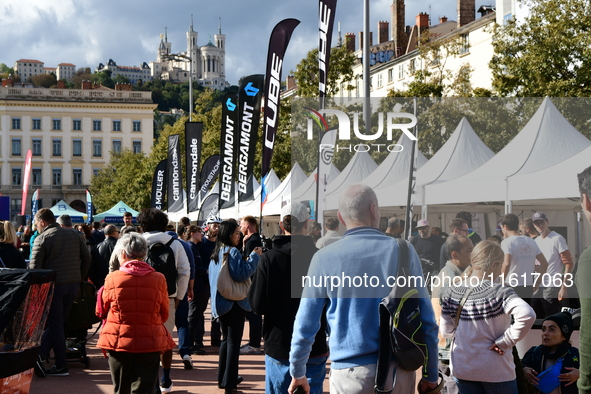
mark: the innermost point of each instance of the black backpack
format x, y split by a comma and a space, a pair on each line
161, 258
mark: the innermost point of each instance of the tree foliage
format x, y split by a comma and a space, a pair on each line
548, 54
44, 80
340, 68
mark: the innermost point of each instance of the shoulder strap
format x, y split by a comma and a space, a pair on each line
384, 350
170, 242
460, 308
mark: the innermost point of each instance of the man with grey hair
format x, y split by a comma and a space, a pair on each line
352, 311
394, 229
101, 254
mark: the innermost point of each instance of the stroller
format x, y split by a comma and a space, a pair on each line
81, 317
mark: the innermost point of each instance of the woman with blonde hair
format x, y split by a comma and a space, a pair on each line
10, 256
483, 336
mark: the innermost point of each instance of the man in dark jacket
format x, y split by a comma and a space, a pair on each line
270, 295
64, 251
101, 254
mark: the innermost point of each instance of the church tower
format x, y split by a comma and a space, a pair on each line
220, 42
193, 50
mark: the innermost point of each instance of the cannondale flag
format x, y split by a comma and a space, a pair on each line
175, 175
228, 149
159, 186
208, 207
249, 110
26, 178
277, 45
209, 174
193, 138
326, 13
325, 155
88, 207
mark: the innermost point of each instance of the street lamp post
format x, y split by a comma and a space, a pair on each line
184, 58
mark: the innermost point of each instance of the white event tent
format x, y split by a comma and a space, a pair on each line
62, 208
462, 152
307, 190
282, 193
359, 168
252, 207
546, 140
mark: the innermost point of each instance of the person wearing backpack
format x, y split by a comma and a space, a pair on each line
167, 256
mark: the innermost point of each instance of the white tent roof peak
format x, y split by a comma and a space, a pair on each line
395, 166
359, 167
307, 190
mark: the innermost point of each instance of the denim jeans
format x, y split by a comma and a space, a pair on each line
182, 325
277, 377
472, 387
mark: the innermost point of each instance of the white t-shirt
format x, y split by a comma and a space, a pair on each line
551, 247
523, 251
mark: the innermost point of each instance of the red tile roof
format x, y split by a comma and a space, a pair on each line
66, 64
28, 61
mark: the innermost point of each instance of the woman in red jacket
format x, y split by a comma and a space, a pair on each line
135, 303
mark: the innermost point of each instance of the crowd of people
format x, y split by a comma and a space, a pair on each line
153, 277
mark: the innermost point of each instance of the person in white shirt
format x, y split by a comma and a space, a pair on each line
521, 253
560, 265
332, 234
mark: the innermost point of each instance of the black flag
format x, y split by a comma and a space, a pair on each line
159, 186
193, 137
209, 174
175, 178
326, 12
209, 207
277, 45
228, 149
249, 99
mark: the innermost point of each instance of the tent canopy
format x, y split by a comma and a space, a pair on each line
283, 192
115, 213
359, 168
461, 153
547, 139
62, 208
307, 190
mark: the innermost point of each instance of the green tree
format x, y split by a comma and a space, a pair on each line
340, 69
548, 54
44, 80
121, 79
103, 78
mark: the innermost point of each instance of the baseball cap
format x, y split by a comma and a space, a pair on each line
297, 210
422, 223
539, 216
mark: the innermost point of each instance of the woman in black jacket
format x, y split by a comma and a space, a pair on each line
10, 256
555, 348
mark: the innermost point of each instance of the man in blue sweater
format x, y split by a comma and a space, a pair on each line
350, 278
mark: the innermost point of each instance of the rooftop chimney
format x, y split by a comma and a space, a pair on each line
399, 35
290, 83
422, 20
443, 19
7, 83
61, 84
350, 42
86, 85
383, 31
361, 39
466, 12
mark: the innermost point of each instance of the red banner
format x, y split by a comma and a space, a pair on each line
26, 177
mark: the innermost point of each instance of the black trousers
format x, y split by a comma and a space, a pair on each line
255, 331
197, 307
135, 373
232, 326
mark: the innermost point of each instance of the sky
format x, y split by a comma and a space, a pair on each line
89, 32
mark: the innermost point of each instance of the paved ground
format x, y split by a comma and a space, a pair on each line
202, 379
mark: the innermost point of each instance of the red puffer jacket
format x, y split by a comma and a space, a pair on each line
137, 302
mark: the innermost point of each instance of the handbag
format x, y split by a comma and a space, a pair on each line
228, 287
548, 379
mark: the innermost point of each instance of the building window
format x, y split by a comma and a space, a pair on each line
36, 147
137, 146
465, 42
380, 80
77, 176
57, 177
76, 125
137, 125
400, 71
390, 75
57, 147
77, 148
16, 146
16, 123
97, 148
95, 171
37, 180
96, 125
57, 124
16, 176
36, 124
412, 67
117, 146
116, 125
